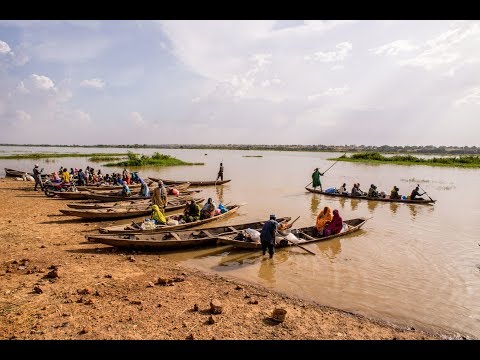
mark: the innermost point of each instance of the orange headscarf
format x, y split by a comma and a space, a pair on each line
324, 217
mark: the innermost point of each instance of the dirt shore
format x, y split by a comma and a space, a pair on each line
54, 285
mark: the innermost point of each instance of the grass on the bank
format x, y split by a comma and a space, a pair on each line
156, 159
252, 155
56, 155
470, 161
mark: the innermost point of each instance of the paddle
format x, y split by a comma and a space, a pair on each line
327, 169
136, 225
301, 247
425, 193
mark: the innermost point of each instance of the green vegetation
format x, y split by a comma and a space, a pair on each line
471, 161
56, 155
252, 155
156, 159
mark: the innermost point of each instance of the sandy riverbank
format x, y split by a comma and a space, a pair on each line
104, 293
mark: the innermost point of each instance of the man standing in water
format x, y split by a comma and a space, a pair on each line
316, 179
267, 235
220, 173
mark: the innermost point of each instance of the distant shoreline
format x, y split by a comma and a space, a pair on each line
384, 149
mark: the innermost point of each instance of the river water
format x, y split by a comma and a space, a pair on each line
412, 265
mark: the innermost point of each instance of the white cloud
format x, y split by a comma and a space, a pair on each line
473, 97
4, 48
137, 119
22, 89
23, 117
196, 99
330, 92
393, 48
42, 82
449, 50
343, 49
93, 83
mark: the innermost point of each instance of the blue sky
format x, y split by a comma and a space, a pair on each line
240, 82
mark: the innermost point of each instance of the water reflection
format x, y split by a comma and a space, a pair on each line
267, 268
413, 210
314, 204
393, 207
372, 205
354, 203
342, 200
330, 248
219, 190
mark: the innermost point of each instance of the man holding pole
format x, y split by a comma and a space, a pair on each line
316, 179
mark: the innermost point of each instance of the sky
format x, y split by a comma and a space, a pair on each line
330, 82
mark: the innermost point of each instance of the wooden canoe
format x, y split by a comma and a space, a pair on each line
126, 203
110, 198
128, 229
305, 235
168, 240
386, 199
103, 191
192, 183
71, 195
101, 186
18, 173
121, 213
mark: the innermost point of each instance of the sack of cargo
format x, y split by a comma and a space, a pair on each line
331, 190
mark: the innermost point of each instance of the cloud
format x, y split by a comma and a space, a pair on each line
450, 50
137, 119
42, 82
393, 48
330, 92
472, 97
93, 83
4, 47
343, 49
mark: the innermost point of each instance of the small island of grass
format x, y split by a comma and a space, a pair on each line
106, 158
468, 161
252, 155
156, 159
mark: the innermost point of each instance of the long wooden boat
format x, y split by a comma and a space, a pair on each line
103, 191
168, 240
110, 198
129, 229
305, 235
121, 213
18, 173
71, 195
386, 199
192, 183
102, 186
126, 203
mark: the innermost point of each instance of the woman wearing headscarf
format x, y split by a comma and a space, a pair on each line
158, 216
335, 226
144, 190
125, 190
208, 210
324, 217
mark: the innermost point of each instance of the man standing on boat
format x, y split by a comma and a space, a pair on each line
316, 179
37, 175
267, 235
160, 196
220, 173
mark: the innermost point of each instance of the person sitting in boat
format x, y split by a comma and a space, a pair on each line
191, 212
56, 178
335, 226
356, 190
394, 193
65, 176
372, 192
144, 190
324, 218
343, 189
125, 190
416, 193
208, 209
157, 216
